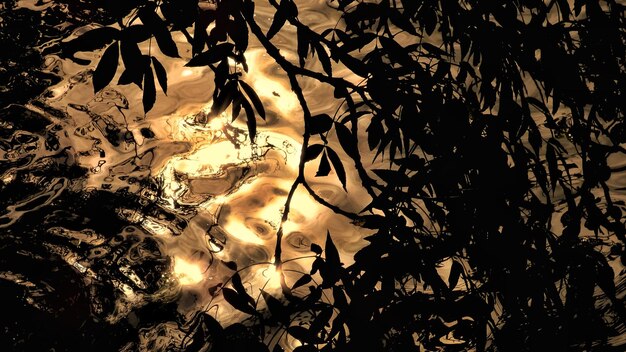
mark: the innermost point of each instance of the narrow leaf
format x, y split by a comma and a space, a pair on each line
160, 73
320, 124
455, 273
338, 166
278, 23
250, 118
254, 98
106, 67
238, 302
313, 151
149, 89
324, 167
332, 255
213, 55
322, 55
303, 280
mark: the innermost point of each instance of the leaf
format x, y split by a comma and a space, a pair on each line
254, 98
553, 166
133, 63
213, 289
313, 151
303, 280
303, 45
160, 73
320, 124
338, 166
159, 29
303, 334
437, 52
332, 255
322, 55
277, 310
238, 30
324, 167
106, 67
91, 40
279, 21
401, 21
237, 301
149, 89
136, 33
346, 140
230, 265
217, 53
250, 118
315, 248
455, 273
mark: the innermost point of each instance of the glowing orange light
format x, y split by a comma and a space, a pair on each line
186, 272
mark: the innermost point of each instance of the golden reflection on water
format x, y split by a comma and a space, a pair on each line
186, 272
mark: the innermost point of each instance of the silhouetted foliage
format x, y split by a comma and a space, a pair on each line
496, 119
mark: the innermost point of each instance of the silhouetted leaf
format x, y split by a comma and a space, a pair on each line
106, 67
277, 310
331, 253
254, 98
149, 89
401, 21
316, 248
250, 118
303, 334
279, 21
213, 289
313, 151
338, 166
213, 55
347, 141
237, 301
319, 124
136, 33
322, 55
553, 166
230, 265
324, 167
160, 73
133, 63
303, 45
91, 40
158, 27
455, 272
303, 280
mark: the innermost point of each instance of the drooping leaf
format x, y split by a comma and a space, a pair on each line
455, 272
322, 55
324, 167
91, 40
303, 280
133, 63
303, 334
279, 21
313, 151
401, 21
346, 140
230, 265
553, 166
106, 67
254, 98
277, 310
136, 33
237, 301
338, 166
159, 29
250, 118
217, 53
160, 73
149, 89
303, 45
332, 255
319, 124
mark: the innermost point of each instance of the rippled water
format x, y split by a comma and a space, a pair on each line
112, 214
115, 224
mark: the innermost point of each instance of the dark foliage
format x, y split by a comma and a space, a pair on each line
508, 187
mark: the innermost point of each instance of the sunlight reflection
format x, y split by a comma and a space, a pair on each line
186, 272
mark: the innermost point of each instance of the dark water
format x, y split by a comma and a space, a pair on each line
113, 224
